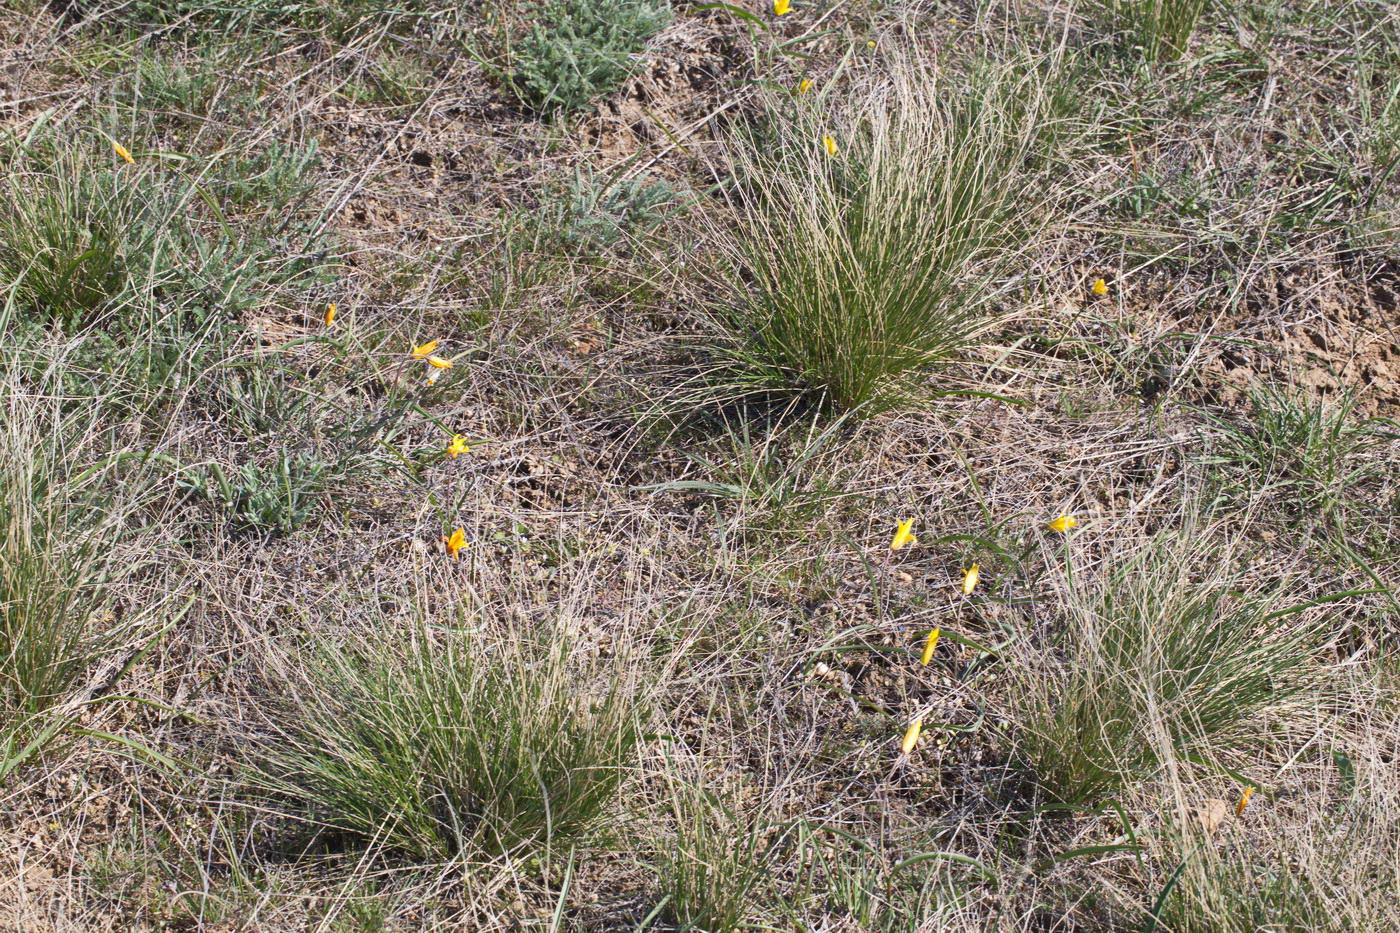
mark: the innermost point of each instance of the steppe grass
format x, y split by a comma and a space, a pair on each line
1171, 655
68, 496
69, 230
396, 761
90, 237
343, 20
713, 872
461, 741
867, 239
1327, 862
1310, 452
1159, 30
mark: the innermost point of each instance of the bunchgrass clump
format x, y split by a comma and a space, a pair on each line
47, 592
1171, 655
86, 237
1159, 29
1309, 452
712, 873
579, 50
65, 500
865, 248
69, 227
447, 742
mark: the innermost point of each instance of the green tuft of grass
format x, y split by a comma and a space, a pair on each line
1311, 452
1171, 655
448, 742
1159, 29
86, 238
65, 235
850, 275
718, 860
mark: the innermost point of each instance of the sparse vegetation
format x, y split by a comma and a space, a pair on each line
645, 467
66, 500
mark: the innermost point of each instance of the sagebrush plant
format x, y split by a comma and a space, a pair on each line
599, 212
279, 497
579, 50
169, 89
1171, 654
1160, 29
268, 180
342, 434
852, 273
445, 742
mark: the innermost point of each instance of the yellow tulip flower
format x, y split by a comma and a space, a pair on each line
122, 151
970, 577
330, 314
929, 646
781, 6
903, 534
911, 735
1064, 523
1244, 801
804, 86
458, 445
456, 543
830, 143
437, 362
423, 349
1100, 287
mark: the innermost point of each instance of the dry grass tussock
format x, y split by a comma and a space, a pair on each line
554, 582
